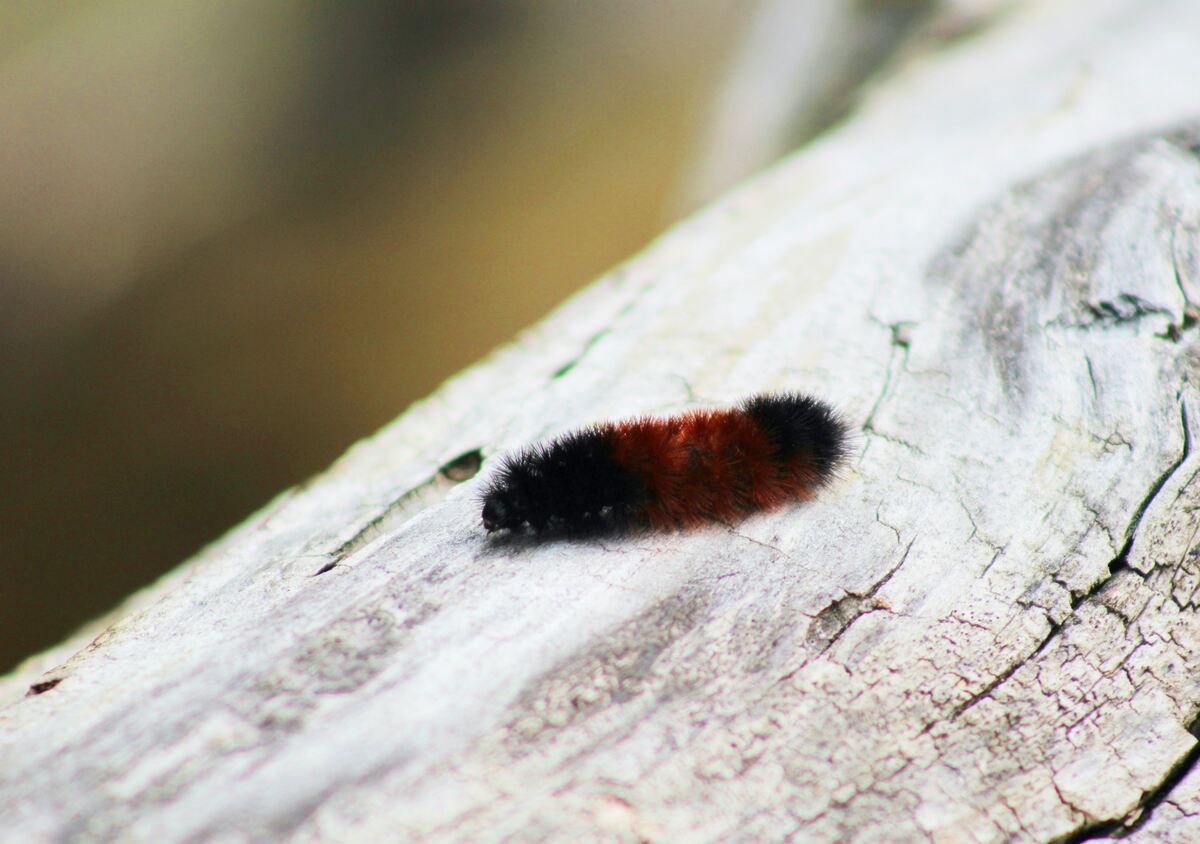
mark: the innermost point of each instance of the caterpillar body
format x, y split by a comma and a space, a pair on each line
669, 473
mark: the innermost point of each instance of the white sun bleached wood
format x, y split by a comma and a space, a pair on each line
985, 630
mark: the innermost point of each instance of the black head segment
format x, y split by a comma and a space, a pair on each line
498, 512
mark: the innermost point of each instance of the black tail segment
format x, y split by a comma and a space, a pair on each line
801, 425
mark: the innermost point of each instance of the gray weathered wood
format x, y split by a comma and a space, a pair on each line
986, 630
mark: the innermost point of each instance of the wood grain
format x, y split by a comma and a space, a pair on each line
986, 630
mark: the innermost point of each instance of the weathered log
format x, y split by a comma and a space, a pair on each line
986, 630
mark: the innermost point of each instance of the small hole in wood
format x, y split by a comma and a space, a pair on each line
43, 686
464, 467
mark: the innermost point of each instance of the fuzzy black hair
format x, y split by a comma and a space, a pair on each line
800, 424
571, 485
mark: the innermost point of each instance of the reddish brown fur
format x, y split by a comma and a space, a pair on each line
708, 465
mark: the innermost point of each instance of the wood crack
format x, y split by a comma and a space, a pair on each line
1144, 810
454, 471
1118, 564
595, 339
831, 623
898, 342
1122, 560
1191, 310
1122, 309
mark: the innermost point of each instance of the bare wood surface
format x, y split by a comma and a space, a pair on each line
985, 631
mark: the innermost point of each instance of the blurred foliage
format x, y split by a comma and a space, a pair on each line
237, 235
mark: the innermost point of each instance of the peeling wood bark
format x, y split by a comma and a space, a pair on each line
987, 630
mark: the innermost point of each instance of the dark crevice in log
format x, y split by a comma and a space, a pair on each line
1138, 817
43, 686
1118, 564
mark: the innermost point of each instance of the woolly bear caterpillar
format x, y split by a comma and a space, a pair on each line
673, 472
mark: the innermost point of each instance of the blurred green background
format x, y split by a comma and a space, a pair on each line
238, 235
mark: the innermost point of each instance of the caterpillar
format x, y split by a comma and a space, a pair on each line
669, 473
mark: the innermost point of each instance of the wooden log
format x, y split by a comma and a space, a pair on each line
986, 630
